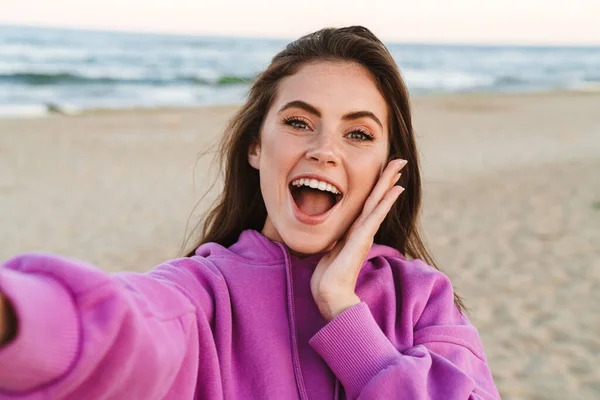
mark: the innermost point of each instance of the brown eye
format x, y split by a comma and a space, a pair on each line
360, 136
296, 123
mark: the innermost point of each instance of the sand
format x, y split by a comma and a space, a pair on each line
511, 212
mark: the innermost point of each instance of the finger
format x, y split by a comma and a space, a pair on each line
375, 219
387, 179
383, 184
366, 230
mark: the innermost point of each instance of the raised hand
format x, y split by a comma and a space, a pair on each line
333, 282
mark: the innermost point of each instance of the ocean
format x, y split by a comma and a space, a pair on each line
43, 69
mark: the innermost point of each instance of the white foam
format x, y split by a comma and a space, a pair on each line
444, 80
23, 111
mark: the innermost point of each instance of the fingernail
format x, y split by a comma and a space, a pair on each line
401, 164
397, 178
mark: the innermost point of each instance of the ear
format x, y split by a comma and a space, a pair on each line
254, 155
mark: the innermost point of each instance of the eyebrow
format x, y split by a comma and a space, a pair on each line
315, 111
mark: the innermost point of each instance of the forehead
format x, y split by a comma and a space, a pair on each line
336, 88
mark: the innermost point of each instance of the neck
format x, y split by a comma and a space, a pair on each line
272, 234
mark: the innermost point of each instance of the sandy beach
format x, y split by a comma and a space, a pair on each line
511, 212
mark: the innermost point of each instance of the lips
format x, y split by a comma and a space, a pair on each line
313, 198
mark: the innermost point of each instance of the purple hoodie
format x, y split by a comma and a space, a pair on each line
236, 323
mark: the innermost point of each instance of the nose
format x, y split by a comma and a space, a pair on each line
323, 151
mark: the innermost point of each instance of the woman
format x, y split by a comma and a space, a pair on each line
286, 295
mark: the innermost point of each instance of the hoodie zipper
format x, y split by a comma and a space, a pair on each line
292, 323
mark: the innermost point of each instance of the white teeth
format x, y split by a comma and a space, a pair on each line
315, 184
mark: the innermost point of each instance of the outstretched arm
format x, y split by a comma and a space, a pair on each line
78, 332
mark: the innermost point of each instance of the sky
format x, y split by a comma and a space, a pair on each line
546, 22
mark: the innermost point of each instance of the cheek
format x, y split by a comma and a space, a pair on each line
362, 178
280, 151
278, 156
366, 171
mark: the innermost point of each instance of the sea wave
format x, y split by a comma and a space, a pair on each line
65, 78
509, 80
40, 66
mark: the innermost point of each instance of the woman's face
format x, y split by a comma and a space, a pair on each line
327, 127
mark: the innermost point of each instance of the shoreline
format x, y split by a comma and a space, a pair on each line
53, 111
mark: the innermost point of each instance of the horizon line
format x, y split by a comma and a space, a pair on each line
386, 40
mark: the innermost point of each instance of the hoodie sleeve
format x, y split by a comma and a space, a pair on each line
446, 361
83, 333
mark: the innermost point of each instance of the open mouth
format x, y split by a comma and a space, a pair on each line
314, 198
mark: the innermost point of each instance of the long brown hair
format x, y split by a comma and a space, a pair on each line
240, 206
